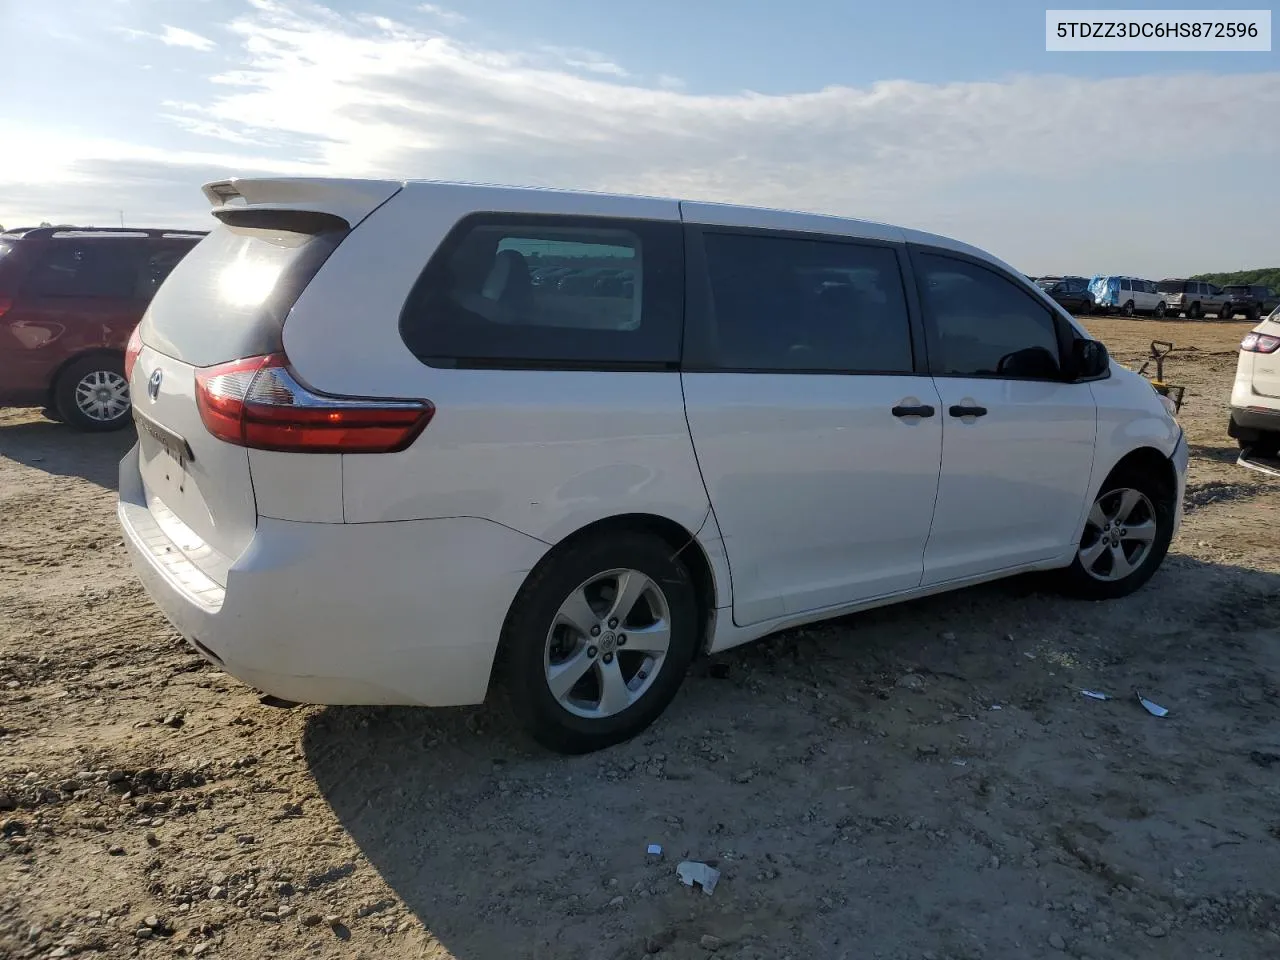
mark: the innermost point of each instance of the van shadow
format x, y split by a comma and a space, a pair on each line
58, 450
803, 766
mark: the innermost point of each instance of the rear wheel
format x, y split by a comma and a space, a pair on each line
1194, 312
598, 641
1127, 309
92, 394
1160, 309
1125, 538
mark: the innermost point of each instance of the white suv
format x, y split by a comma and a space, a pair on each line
392, 433
1255, 397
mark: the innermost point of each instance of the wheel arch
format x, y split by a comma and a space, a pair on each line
683, 543
1147, 461
61, 368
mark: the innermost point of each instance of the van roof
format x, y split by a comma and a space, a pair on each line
353, 199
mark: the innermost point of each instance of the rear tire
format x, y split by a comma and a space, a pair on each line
1160, 309
1125, 539
1194, 312
92, 395
562, 626
1127, 309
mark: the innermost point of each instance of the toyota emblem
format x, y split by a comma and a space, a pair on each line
153, 385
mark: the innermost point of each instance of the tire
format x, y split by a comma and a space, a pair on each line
1127, 309
1226, 313
1160, 309
1194, 312
90, 392
1092, 575
538, 636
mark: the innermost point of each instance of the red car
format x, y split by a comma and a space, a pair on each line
69, 299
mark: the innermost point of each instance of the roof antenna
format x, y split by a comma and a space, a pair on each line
121, 212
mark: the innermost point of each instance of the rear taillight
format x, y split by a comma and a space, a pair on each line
131, 351
1259, 343
258, 403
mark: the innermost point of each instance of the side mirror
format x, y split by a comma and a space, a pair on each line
1089, 359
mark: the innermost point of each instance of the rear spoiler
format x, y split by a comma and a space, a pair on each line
304, 200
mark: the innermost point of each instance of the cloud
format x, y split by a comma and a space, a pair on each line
171, 37
442, 13
408, 103
1035, 163
178, 37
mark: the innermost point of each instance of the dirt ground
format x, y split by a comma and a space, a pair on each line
924, 781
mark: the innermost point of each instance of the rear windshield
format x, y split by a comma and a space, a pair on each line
229, 296
1172, 286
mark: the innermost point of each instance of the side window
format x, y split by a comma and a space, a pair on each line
781, 303
158, 264
91, 268
550, 290
1124, 283
985, 325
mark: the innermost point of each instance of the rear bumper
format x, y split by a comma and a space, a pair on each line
371, 613
1246, 424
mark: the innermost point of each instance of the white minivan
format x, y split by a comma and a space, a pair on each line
392, 435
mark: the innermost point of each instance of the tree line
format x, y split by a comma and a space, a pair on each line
1267, 276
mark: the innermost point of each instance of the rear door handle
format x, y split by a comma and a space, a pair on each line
965, 411
920, 410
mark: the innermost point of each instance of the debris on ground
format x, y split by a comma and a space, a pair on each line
695, 872
1151, 706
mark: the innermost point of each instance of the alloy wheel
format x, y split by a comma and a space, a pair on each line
607, 643
1119, 534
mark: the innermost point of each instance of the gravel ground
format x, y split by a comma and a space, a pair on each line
924, 781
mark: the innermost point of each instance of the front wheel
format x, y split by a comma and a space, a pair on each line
92, 394
1125, 539
598, 641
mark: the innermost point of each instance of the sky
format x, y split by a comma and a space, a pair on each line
944, 116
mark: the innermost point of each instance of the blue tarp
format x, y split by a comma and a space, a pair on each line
1106, 291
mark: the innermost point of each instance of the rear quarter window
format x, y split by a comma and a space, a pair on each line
507, 290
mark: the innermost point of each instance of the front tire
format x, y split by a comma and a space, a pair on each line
598, 641
1126, 537
92, 395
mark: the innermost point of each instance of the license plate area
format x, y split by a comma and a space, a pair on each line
171, 443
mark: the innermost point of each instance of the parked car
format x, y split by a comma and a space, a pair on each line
69, 298
1252, 300
1255, 396
1194, 298
1128, 295
373, 457
1072, 293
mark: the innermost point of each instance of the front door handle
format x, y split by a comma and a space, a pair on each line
918, 410
967, 411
